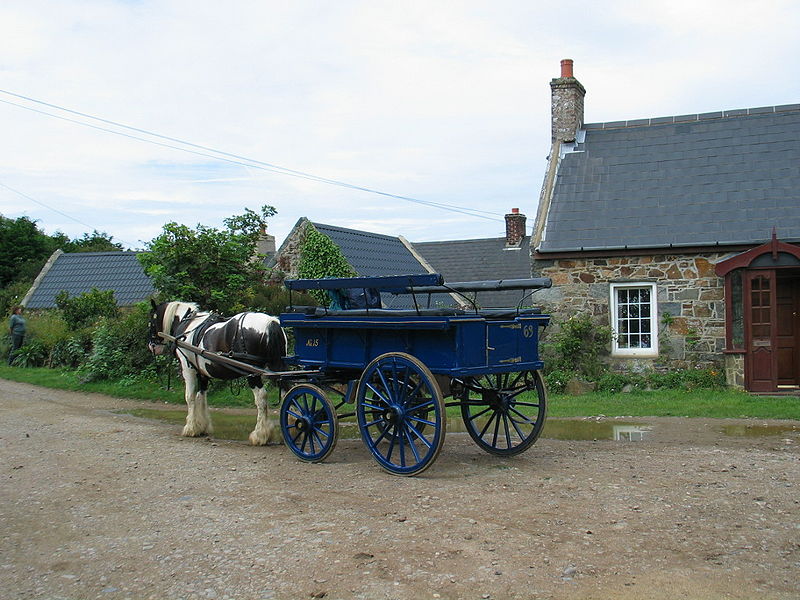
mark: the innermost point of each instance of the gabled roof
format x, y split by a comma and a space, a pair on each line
723, 178
81, 271
373, 254
481, 259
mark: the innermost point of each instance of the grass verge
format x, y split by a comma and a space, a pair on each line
656, 403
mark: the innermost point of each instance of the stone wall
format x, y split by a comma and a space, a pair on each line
287, 259
688, 290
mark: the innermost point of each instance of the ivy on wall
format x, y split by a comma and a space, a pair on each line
320, 257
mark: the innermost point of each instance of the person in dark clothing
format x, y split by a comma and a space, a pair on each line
16, 327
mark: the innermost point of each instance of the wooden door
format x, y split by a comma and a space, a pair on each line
787, 326
760, 310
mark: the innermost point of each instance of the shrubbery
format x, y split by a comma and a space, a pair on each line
576, 351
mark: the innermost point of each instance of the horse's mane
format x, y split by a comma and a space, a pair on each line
176, 309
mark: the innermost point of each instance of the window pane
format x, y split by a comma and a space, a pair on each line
737, 302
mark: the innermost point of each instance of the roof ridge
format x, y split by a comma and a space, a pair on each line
358, 231
721, 114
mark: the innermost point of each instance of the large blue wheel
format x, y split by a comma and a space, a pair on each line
504, 412
309, 423
400, 413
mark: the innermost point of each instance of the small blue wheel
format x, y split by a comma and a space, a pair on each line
400, 413
309, 423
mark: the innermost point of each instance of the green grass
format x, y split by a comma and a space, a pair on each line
676, 403
656, 403
220, 394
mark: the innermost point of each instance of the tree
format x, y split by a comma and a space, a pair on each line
23, 249
97, 241
206, 265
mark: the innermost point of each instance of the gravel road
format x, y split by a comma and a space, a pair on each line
96, 504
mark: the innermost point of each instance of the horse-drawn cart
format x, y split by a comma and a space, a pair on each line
391, 369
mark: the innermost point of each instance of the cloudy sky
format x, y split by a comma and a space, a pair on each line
443, 102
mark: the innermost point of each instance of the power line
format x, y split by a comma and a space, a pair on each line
233, 158
63, 214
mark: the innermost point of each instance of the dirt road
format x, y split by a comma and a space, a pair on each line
101, 505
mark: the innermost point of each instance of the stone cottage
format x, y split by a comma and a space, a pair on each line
682, 233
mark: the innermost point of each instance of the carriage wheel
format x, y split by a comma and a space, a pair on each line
309, 423
504, 412
400, 413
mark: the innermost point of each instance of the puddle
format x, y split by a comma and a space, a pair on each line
226, 427
759, 430
238, 427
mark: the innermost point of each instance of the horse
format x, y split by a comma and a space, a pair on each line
254, 338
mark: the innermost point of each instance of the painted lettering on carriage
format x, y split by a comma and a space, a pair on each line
312, 343
512, 326
527, 331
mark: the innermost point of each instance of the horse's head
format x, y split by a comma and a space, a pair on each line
156, 344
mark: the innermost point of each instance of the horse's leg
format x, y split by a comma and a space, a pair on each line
261, 434
197, 421
201, 407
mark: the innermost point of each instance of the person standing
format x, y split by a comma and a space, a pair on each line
17, 328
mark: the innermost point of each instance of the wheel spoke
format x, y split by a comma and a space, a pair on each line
488, 424
413, 446
523, 417
496, 429
480, 414
517, 429
381, 395
508, 433
419, 435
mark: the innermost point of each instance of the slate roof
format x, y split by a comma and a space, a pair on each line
481, 259
695, 180
80, 272
373, 254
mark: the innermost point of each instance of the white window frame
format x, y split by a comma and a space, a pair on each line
613, 309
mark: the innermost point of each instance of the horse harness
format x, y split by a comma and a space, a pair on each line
237, 351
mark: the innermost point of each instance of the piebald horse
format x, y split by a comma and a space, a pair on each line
250, 337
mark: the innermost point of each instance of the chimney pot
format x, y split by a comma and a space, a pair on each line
515, 211
566, 68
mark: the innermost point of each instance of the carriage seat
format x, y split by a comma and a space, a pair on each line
487, 313
318, 311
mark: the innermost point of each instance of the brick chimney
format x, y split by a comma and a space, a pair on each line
567, 104
515, 227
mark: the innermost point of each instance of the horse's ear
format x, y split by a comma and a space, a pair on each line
153, 303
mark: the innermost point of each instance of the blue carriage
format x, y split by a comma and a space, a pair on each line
394, 368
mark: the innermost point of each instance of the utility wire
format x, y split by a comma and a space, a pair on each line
63, 214
265, 166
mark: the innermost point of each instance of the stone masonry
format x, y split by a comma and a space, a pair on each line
688, 290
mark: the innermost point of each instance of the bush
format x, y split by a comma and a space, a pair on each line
32, 354
87, 308
612, 382
72, 351
577, 347
556, 381
119, 347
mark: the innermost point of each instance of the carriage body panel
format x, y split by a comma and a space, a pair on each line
456, 345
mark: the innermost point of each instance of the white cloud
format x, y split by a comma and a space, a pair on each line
443, 101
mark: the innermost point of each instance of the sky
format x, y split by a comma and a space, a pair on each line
415, 102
